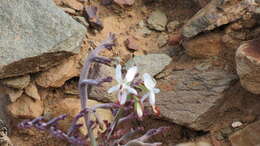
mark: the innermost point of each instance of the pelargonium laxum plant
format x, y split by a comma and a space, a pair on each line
130, 106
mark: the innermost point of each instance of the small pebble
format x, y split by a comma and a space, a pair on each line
226, 131
173, 26
236, 124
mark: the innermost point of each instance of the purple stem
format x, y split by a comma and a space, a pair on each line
126, 118
51, 127
84, 75
127, 135
151, 133
101, 59
97, 82
55, 120
74, 121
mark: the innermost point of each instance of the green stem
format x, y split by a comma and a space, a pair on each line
115, 121
91, 136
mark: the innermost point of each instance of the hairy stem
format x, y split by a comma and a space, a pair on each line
115, 121
84, 87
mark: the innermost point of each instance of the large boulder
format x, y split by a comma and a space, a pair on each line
248, 65
197, 95
35, 35
216, 13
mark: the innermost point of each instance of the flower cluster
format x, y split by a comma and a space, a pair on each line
127, 90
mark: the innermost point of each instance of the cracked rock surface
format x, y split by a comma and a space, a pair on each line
196, 96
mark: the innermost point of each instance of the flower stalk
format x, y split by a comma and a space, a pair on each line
83, 86
130, 106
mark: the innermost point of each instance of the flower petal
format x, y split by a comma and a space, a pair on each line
131, 90
156, 90
144, 97
113, 89
131, 72
149, 82
118, 73
122, 96
152, 98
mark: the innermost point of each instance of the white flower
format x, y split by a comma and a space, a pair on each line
124, 84
150, 83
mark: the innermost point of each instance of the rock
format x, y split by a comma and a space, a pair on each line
157, 20
25, 107
255, 32
240, 35
226, 131
202, 3
18, 82
100, 92
236, 124
69, 11
4, 121
57, 76
236, 26
216, 13
162, 39
230, 43
32, 91
14, 94
58, 2
149, 63
196, 97
40, 34
71, 87
200, 143
132, 44
249, 136
248, 20
175, 39
71, 106
249, 118
205, 45
4, 139
173, 26
4, 117
142, 29
124, 2
219, 136
203, 66
74, 4
106, 2
247, 65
